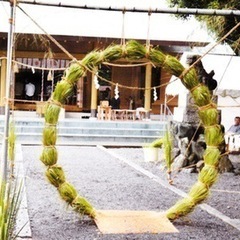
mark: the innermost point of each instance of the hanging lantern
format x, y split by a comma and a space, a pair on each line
50, 76
116, 91
155, 97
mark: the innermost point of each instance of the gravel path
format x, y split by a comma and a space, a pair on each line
225, 194
109, 183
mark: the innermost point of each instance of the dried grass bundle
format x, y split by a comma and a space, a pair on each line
49, 156
55, 175
92, 59
211, 156
181, 208
173, 66
52, 113
214, 135
156, 56
82, 206
74, 72
134, 50
63, 90
112, 53
67, 192
49, 135
208, 175
201, 95
190, 79
199, 192
208, 116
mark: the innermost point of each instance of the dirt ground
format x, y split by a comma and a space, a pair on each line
109, 183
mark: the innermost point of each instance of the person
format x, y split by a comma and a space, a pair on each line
29, 90
235, 128
115, 103
232, 136
131, 103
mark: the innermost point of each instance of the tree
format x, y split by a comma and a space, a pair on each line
219, 25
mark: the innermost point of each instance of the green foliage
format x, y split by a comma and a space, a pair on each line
49, 155
67, 192
173, 66
91, 60
52, 113
156, 143
82, 206
219, 25
156, 56
135, 50
10, 199
11, 146
209, 116
49, 135
167, 147
74, 72
63, 90
55, 175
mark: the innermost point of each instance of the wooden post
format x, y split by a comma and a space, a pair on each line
93, 98
148, 81
2, 84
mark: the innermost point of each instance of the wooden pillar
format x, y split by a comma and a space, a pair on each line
3, 63
93, 98
148, 81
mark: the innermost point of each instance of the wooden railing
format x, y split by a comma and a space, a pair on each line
165, 113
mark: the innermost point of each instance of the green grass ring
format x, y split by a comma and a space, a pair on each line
135, 50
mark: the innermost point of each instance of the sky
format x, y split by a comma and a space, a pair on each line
77, 22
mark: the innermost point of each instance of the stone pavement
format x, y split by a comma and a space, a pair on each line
111, 179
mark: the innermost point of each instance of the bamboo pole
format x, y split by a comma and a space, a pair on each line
175, 10
147, 97
8, 81
94, 93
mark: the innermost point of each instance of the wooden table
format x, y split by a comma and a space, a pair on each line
118, 114
130, 115
104, 112
142, 114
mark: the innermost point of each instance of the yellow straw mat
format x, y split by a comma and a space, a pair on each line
124, 222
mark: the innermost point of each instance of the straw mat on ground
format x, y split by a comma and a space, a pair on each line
123, 222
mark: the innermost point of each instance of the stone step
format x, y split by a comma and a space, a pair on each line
90, 131
77, 131
77, 139
90, 123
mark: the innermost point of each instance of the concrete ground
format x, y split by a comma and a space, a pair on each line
119, 179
